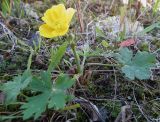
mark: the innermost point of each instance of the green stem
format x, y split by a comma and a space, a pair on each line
77, 59
30, 59
100, 64
72, 107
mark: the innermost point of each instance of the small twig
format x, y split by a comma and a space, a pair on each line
116, 84
103, 71
100, 64
112, 4
79, 84
123, 114
80, 18
52, 117
103, 99
11, 5
139, 107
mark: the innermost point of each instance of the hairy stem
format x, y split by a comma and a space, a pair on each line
77, 59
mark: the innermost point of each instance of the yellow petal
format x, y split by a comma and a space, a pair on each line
56, 20
54, 14
70, 13
61, 31
46, 31
47, 18
59, 11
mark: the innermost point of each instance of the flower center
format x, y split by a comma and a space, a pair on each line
60, 25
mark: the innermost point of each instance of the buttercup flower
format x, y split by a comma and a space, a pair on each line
57, 20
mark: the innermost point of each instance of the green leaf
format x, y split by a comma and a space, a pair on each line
134, 71
100, 33
13, 88
156, 6
144, 59
57, 56
46, 77
8, 118
41, 83
36, 105
137, 66
58, 100
128, 70
49, 95
30, 59
125, 55
150, 28
105, 43
5, 6
63, 82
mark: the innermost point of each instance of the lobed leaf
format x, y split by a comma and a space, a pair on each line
57, 56
51, 96
63, 82
36, 105
137, 66
57, 100
13, 88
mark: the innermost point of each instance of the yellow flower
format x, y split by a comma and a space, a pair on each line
57, 20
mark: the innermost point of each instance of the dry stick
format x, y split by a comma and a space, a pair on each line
86, 6
104, 71
79, 84
1, 17
11, 4
139, 107
115, 79
80, 19
52, 117
122, 115
111, 4
116, 84
124, 110
141, 14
